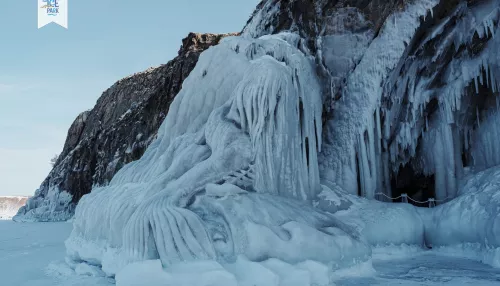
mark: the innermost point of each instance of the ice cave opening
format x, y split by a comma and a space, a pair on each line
419, 187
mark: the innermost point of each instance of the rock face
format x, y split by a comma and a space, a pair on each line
115, 132
10, 205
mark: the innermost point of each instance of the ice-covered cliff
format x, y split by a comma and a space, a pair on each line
10, 205
410, 89
275, 130
124, 121
277, 133
393, 80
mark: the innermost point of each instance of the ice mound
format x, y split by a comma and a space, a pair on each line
232, 173
243, 272
56, 205
377, 223
470, 222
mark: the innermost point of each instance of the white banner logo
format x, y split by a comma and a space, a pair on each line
53, 11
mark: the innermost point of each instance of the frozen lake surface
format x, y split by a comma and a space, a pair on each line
27, 250
428, 268
33, 254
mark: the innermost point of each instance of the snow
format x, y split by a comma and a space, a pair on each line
9, 205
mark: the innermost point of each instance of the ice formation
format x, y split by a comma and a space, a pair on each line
414, 107
55, 206
363, 94
245, 168
472, 221
259, 116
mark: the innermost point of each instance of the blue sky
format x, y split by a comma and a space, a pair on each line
49, 76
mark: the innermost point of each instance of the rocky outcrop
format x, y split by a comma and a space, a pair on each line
10, 205
115, 132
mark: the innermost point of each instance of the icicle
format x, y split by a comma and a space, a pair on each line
492, 28
487, 67
493, 80
479, 33
387, 124
476, 85
477, 117
481, 75
379, 129
363, 164
372, 161
407, 133
466, 139
332, 88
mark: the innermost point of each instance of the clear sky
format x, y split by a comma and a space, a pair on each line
49, 76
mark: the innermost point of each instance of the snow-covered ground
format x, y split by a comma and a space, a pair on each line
32, 255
